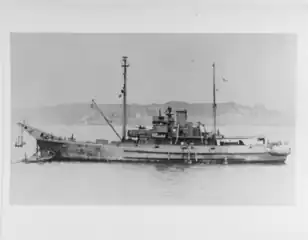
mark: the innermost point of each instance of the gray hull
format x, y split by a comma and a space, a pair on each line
91, 152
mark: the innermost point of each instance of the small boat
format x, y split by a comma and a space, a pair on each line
171, 139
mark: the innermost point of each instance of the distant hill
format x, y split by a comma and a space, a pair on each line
81, 113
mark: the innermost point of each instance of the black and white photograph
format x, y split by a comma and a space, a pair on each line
128, 119
153, 119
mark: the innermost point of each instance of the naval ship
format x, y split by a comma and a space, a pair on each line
171, 139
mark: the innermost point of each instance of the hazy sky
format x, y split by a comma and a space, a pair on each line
49, 69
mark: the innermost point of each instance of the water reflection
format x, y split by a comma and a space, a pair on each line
171, 167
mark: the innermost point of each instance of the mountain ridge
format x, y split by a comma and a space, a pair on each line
81, 113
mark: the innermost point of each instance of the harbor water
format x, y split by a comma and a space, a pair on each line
155, 184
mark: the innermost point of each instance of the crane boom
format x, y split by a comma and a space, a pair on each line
94, 105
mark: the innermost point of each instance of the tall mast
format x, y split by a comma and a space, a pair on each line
214, 98
125, 65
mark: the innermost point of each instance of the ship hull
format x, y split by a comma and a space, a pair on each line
91, 152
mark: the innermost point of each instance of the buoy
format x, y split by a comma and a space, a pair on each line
225, 162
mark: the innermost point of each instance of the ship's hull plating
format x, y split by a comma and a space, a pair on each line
91, 152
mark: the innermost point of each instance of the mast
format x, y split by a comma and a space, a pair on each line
214, 98
125, 65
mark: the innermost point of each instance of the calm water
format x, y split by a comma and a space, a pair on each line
117, 183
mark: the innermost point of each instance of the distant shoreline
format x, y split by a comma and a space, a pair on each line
228, 114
